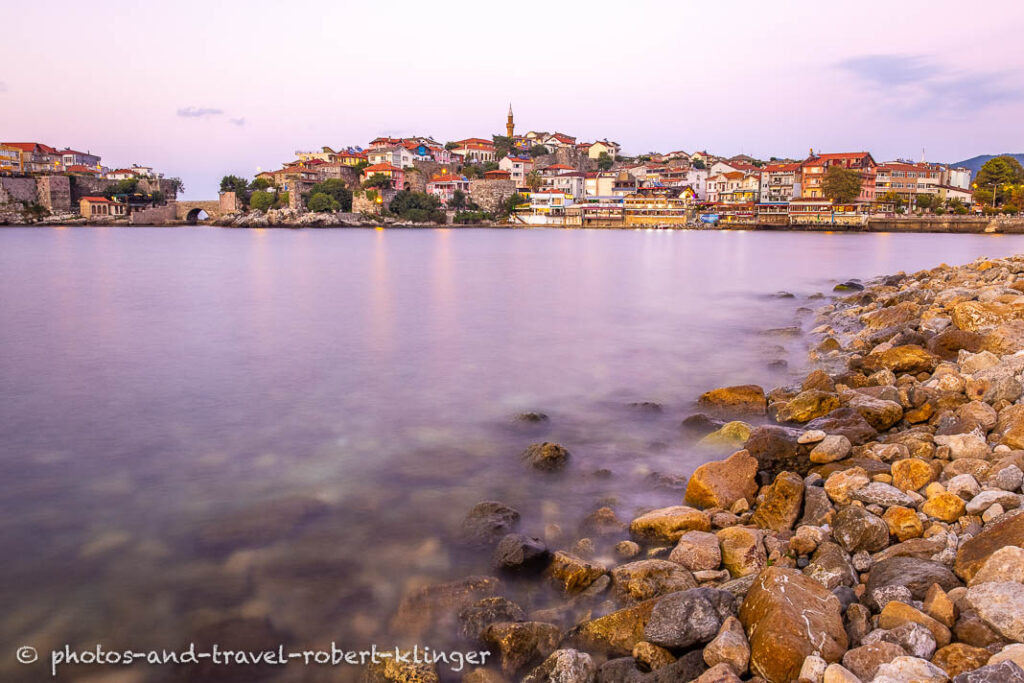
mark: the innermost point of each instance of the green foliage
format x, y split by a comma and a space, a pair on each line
377, 180
508, 206
283, 199
490, 166
322, 202
157, 197
34, 211
450, 145
417, 207
176, 184
261, 200
533, 181
997, 173
471, 217
539, 151
957, 207
503, 145
260, 184
233, 183
841, 185
698, 164
471, 171
361, 165
337, 191
893, 198
458, 200
604, 161
926, 201
126, 186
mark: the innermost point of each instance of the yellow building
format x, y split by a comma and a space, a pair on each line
10, 160
658, 207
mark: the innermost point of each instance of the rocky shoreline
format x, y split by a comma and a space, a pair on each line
867, 526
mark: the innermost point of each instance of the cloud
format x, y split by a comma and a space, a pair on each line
240, 121
199, 112
914, 84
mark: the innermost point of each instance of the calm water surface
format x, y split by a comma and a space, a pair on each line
160, 387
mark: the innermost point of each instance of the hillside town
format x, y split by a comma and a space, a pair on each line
536, 178
38, 180
541, 178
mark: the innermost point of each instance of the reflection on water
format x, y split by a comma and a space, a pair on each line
201, 425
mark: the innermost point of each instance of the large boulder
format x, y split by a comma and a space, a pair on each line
880, 413
788, 617
686, 618
1005, 339
521, 644
487, 522
645, 579
614, 634
721, 483
743, 551
697, 551
1002, 672
546, 456
778, 449
907, 358
572, 574
916, 574
565, 666
667, 525
847, 422
977, 316
747, 399
856, 529
807, 405
974, 552
1000, 604
778, 505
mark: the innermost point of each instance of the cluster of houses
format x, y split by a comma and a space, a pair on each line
37, 158
561, 181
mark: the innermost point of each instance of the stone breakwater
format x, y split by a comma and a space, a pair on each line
867, 526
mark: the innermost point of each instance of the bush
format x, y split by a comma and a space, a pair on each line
336, 190
322, 202
471, 216
378, 180
960, 209
539, 151
262, 200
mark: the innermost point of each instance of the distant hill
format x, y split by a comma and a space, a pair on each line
975, 163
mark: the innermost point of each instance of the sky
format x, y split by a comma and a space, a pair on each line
202, 89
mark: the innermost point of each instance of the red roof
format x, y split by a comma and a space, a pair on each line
476, 141
97, 200
497, 174
780, 168
31, 146
121, 170
381, 167
78, 168
562, 137
559, 167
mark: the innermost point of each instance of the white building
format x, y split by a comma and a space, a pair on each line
396, 156
517, 167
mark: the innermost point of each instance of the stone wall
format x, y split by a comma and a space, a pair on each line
54, 192
155, 215
361, 203
17, 190
489, 194
228, 203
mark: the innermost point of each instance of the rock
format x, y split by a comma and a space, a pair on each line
546, 457
854, 528
915, 639
776, 449
895, 614
970, 445
1000, 605
879, 413
1010, 426
845, 422
903, 523
747, 399
732, 434
939, 607
646, 579
628, 549
877, 493
813, 669
912, 474
811, 436
973, 553
983, 500
534, 417
573, 574
916, 574
947, 344
1003, 672
971, 629
393, 671
963, 485
830, 449
258, 525
722, 483
742, 550
975, 316
818, 510
519, 553
487, 522
729, 647
779, 504
564, 666
1010, 653
686, 618
947, 507
521, 644
1005, 564
907, 358
787, 617
1004, 340
831, 567
424, 609
616, 633
667, 525
891, 316
602, 522
864, 661
720, 673
858, 622
697, 551
474, 618
910, 670
837, 673
807, 405
840, 485
650, 657
956, 658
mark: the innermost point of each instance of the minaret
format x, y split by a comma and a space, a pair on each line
510, 126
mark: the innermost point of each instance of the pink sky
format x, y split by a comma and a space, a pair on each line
200, 89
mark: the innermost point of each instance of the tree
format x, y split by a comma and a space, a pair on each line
336, 189
957, 207
377, 180
176, 185
417, 207
261, 200
926, 202
508, 206
124, 186
471, 171
539, 151
156, 196
322, 202
841, 185
458, 200
997, 172
260, 184
533, 181
503, 145
894, 198
604, 161
699, 164
450, 145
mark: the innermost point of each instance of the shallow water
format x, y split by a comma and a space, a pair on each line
159, 387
